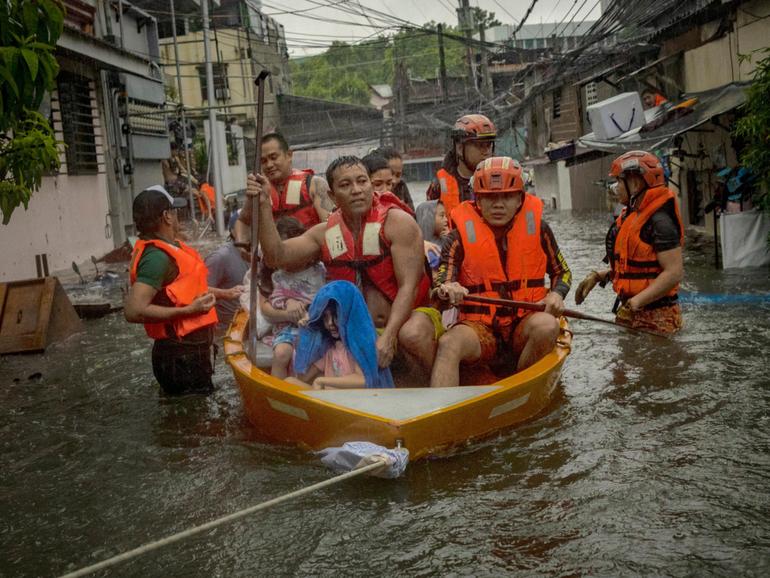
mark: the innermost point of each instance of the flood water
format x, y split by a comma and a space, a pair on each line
654, 459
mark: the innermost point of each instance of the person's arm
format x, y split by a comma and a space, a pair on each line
559, 273
406, 249
672, 263
280, 254
292, 314
319, 192
139, 308
355, 380
227, 294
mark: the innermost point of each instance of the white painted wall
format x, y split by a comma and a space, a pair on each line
552, 184
66, 219
233, 177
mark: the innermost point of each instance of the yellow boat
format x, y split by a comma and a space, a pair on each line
426, 421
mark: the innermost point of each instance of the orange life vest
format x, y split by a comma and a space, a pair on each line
348, 259
450, 192
294, 199
635, 263
189, 284
210, 193
482, 271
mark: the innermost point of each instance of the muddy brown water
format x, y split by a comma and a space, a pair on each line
654, 459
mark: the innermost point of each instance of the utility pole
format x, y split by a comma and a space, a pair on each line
486, 80
213, 126
442, 64
465, 19
181, 108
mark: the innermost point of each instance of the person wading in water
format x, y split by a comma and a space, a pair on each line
170, 295
644, 247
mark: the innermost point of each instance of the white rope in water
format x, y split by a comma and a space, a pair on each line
224, 520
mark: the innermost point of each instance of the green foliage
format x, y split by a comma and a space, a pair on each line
754, 127
344, 72
29, 30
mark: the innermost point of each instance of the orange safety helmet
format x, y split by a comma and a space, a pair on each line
498, 175
473, 127
647, 165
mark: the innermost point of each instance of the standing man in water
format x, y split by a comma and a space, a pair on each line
473, 140
644, 247
293, 193
370, 240
170, 295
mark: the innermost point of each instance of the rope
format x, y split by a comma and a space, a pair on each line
224, 520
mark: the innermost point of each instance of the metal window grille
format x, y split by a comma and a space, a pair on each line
221, 86
556, 103
77, 124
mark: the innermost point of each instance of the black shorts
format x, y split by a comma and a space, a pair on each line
183, 368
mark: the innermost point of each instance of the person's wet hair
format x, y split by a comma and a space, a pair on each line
374, 162
388, 153
343, 161
289, 227
276, 136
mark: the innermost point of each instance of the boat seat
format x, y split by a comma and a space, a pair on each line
400, 404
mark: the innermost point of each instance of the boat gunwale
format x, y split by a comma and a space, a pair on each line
549, 363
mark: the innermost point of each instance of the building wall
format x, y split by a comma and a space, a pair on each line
587, 189
716, 63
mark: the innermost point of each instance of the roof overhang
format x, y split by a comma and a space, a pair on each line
105, 54
710, 104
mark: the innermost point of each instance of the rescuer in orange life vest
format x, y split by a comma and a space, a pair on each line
500, 248
473, 140
644, 247
170, 296
371, 239
293, 193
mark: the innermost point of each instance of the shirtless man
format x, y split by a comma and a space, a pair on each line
369, 240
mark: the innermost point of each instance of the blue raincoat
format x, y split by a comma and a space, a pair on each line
356, 332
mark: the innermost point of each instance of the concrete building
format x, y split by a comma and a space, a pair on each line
243, 41
108, 72
692, 50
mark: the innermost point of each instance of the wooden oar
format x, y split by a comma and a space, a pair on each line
567, 312
253, 287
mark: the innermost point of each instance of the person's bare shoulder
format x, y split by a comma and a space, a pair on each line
400, 226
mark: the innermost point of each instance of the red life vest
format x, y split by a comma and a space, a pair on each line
189, 284
294, 199
482, 271
348, 259
635, 263
450, 192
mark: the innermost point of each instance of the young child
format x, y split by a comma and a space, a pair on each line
292, 292
432, 218
337, 347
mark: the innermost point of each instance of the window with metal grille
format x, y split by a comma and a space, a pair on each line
556, 103
77, 124
592, 97
221, 86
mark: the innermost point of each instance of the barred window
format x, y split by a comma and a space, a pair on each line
221, 86
77, 124
556, 103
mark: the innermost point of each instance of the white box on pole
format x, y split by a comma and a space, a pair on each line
617, 115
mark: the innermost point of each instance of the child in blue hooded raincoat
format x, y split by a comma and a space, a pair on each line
337, 346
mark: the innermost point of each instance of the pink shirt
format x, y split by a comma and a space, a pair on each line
338, 362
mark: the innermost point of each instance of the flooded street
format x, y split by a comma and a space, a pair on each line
653, 460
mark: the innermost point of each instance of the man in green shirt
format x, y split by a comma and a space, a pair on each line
170, 296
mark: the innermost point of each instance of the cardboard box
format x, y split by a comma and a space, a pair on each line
617, 115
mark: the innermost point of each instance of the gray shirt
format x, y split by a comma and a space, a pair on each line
226, 269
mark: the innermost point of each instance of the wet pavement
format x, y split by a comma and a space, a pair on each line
653, 460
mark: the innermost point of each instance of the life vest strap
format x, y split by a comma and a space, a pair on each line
485, 309
638, 274
504, 287
358, 264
